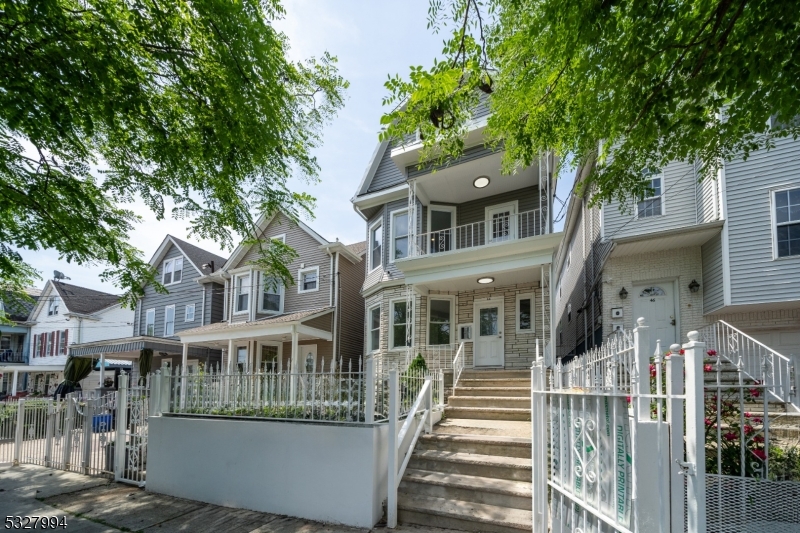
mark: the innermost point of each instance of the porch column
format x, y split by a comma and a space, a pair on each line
231, 355
14, 383
295, 350
102, 370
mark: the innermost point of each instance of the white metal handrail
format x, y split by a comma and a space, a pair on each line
500, 229
755, 359
458, 364
397, 439
437, 356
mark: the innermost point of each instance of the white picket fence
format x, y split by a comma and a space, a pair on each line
619, 446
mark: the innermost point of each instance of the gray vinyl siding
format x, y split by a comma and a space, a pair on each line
387, 174
707, 192
470, 154
324, 322
215, 301
188, 291
309, 253
351, 310
713, 280
756, 277
679, 206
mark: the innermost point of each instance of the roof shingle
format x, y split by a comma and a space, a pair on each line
82, 300
198, 256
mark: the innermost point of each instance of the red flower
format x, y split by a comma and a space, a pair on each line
652, 371
758, 438
730, 436
757, 420
708, 368
682, 352
628, 398
748, 429
761, 454
712, 353
709, 421
755, 393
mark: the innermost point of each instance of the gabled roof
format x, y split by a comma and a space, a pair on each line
81, 300
19, 310
261, 224
358, 248
194, 254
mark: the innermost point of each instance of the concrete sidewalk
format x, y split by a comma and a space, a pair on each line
94, 505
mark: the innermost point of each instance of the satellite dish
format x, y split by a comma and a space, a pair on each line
59, 275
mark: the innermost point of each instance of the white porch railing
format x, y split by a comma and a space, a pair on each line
458, 364
401, 444
779, 374
500, 229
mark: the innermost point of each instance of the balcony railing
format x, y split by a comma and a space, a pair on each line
501, 228
11, 356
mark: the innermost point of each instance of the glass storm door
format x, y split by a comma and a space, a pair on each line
500, 223
489, 333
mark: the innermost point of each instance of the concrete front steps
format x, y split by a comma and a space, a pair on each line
474, 472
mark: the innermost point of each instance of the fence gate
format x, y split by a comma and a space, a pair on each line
132, 428
608, 441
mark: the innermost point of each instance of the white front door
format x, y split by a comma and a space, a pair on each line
488, 343
500, 223
656, 303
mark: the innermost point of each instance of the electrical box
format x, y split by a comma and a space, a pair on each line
616, 312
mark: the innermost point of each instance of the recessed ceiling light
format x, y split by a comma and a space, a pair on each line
484, 281
480, 182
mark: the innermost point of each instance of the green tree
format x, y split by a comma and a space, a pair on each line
185, 103
632, 85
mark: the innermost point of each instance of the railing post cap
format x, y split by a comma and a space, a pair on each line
640, 321
694, 336
675, 349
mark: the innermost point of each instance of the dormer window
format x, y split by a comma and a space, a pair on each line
52, 308
173, 271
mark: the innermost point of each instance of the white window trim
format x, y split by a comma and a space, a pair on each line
300, 273
663, 197
173, 320
235, 294
163, 270
453, 318
391, 326
525, 296
185, 314
282, 293
281, 237
370, 309
467, 325
375, 224
153, 309
774, 221
392, 216
513, 207
435, 207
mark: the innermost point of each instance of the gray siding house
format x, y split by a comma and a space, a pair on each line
265, 327
692, 254
458, 255
160, 317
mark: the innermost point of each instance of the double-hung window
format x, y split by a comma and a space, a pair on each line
62, 342
169, 321
37, 346
188, 315
401, 324
49, 345
439, 321
309, 280
241, 293
375, 246
52, 309
652, 205
787, 222
399, 235
525, 313
173, 271
271, 293
150, 322
374, 328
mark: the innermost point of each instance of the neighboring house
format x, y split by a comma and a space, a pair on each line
64, 315
456, 253
693, 253
160, 317
265, 324
14, 344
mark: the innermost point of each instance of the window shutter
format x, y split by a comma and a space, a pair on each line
66, 341
42, 343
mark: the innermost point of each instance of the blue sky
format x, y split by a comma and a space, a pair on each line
372, 39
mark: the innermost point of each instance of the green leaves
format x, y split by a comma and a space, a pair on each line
105, 102
631, 85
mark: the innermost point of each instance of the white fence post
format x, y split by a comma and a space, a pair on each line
86, 452
391, 510
122, 423
539, 450
154, 400
48, 438
441, 389
19, 433
166, 389
369, 400
695, 465
675, 421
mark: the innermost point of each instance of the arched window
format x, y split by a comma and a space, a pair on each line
652, 291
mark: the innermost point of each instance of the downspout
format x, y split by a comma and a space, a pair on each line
139, 321
203, 309
225, 303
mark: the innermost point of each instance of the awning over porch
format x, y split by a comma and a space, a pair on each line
130, 348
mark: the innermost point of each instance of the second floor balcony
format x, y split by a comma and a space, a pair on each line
12, 356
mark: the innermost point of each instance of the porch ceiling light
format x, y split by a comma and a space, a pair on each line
486, 280
480, 182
